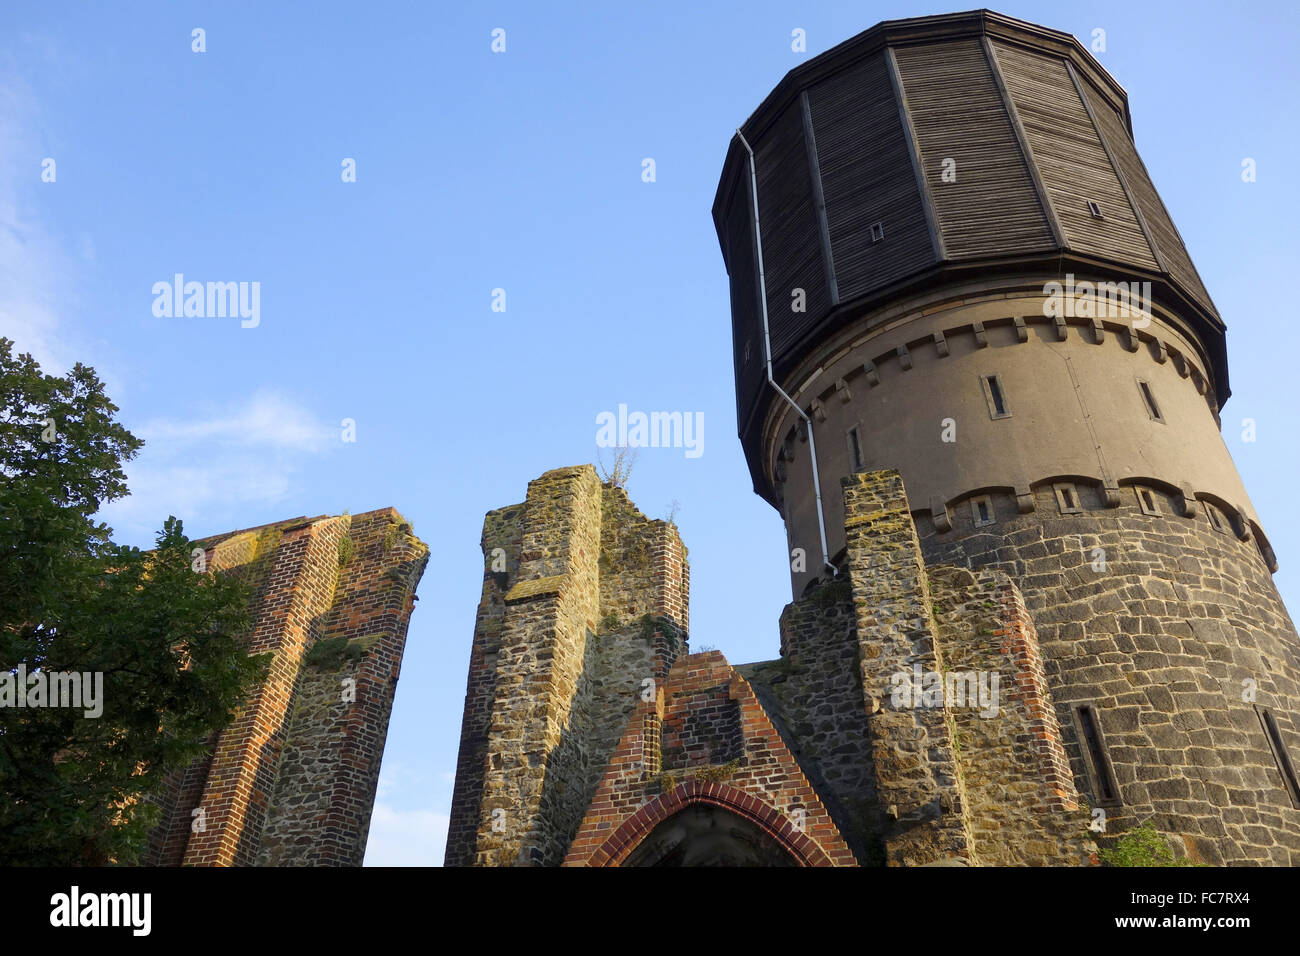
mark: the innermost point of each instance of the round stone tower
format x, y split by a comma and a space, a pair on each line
947, 258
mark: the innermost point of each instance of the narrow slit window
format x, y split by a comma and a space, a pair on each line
1067, 498
1100, 772
1280, 753
1149, 400
998, 404
855, 449
1094, 209
877, 231
996, 396
981, 511
1148, 502
1216, 522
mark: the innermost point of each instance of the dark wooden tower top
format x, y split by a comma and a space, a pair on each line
854, 207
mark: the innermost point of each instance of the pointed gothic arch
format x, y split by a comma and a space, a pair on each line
759, 835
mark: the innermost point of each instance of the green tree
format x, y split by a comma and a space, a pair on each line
168, 641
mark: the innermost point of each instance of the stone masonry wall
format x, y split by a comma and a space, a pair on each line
1015, 796
1022, 808
606, 738
502, 541
221, 809
535, 759
815, 693
584, 606
917, 778
1168, 624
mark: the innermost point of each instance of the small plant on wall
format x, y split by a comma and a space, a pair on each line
1142, 846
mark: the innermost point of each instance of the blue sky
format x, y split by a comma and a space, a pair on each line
520, 171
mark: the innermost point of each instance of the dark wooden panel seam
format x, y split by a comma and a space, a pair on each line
1023, 140
1119, 171
819, 198
914, 151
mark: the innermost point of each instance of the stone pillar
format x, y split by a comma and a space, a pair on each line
584, 610
534, 749
918, 783
1021, 806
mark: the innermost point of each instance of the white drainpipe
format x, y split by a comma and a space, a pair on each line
767, 355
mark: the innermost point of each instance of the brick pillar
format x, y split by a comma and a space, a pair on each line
1021, 807
329, 771
1031, 691
917, 776
672, 593
533, 759
168, 840
300, 588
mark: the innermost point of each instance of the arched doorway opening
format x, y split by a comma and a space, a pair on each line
727, 827
706, 835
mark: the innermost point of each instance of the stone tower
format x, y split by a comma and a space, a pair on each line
979, 377
947, 260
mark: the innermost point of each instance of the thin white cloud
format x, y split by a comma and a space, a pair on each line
406, 837
268, 419
409, 836
33, 265
215, 468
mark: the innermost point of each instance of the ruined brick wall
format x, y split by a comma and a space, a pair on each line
644, 620
585, 736
319, 814
291, 780
918, 782
702, 728
909, 783
584, 600
814, 692
1155, 614
705, 739
1021, 805
1168, 623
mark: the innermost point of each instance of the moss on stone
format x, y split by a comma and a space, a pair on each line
830, 594
333, 651
398, 528
668, 780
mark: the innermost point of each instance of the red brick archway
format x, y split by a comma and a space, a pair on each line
771, 821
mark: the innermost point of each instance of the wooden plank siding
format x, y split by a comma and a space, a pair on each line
866, 178
992, 209
1170, 243
747, 321
1036, 130
792, 257
1071, 158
